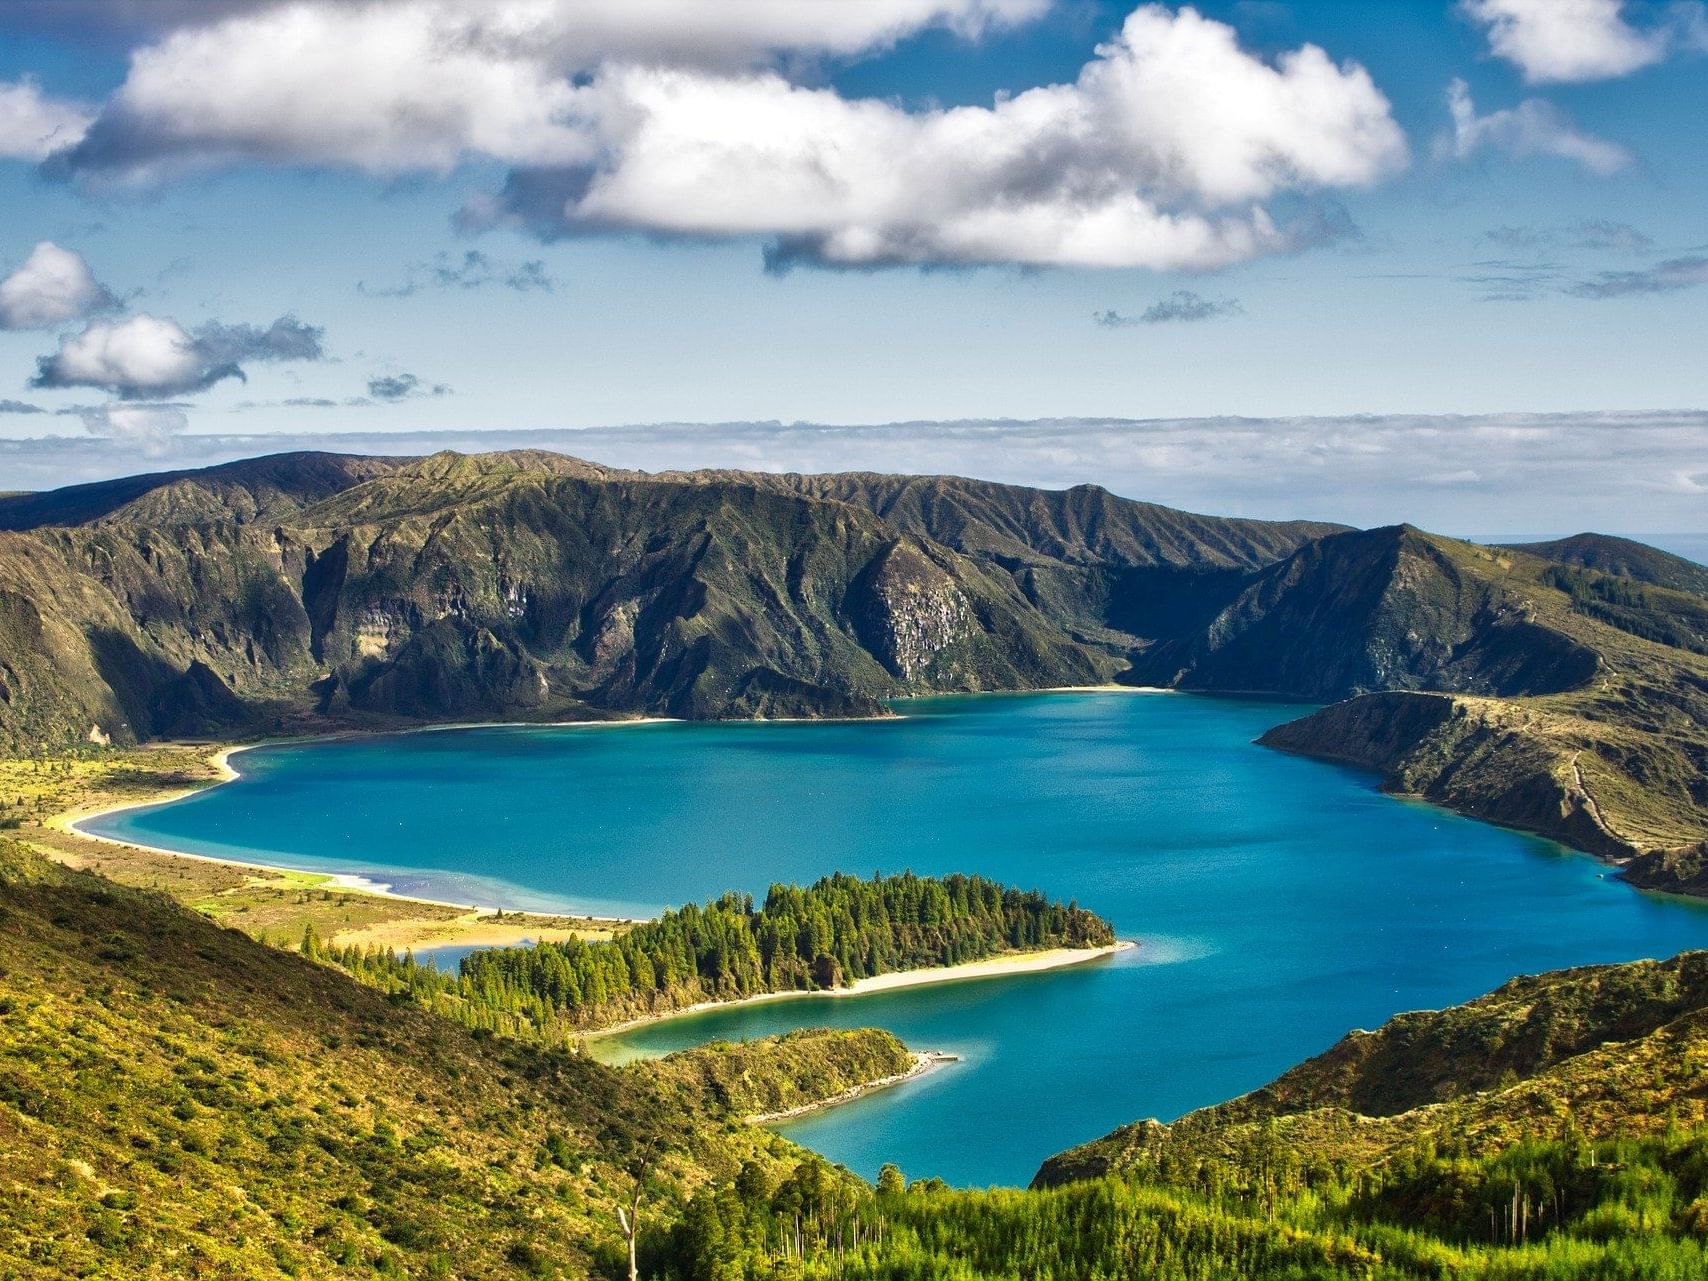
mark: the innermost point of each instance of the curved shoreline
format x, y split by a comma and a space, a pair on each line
923, 1062
71, 821
1005, 965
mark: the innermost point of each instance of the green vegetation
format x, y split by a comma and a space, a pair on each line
837, 931
1622, 558
1653, 613
178, 1100
1541, 1211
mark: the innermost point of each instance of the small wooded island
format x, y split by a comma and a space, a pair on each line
833, 934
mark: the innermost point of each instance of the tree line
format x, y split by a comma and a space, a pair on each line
832, 933
1540, 1210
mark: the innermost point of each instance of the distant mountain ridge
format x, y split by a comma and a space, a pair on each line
1566, 692
1624, 558
311, 586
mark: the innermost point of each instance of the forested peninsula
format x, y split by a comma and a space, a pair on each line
833, 933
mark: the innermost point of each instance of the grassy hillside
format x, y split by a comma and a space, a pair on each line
1593, 1053
178, 1100
1622, 558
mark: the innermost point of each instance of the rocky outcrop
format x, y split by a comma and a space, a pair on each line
910, 612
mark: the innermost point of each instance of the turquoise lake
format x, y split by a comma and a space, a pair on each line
1278, 902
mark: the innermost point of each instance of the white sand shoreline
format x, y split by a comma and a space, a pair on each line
996, 967
356, 883
350, 882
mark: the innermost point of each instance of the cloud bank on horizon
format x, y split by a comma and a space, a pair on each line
1511, 473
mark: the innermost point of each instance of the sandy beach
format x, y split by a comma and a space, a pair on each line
437, 923
996, 967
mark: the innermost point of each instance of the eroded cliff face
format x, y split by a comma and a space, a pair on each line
493, 587
911, 612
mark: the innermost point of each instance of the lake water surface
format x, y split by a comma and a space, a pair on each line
1278, 901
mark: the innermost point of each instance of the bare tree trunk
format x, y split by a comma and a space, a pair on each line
629, 1221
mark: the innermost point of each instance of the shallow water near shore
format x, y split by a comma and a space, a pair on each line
1278, 902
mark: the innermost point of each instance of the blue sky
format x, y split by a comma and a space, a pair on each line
1361, 258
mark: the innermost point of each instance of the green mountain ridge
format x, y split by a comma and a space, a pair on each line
1623, 558
310, 592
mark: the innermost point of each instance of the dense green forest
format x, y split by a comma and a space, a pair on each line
1562, 1208
832, 933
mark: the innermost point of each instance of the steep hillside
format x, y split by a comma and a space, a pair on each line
1576, 1054
305, 589
1380, 609
178, 1100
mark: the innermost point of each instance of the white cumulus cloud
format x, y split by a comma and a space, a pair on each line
665, 116
1560, 41
139, 355
142, 356
1160, 155
1532, 128
33, 126
51, 286
425, 84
